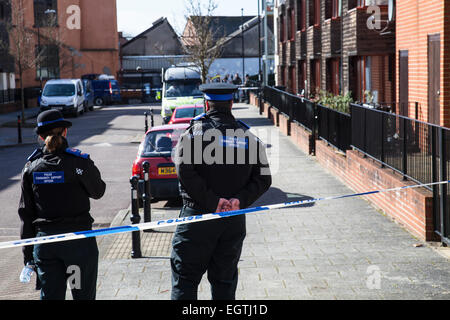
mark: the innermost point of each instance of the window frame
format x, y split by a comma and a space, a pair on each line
39, 8
50, 66
301, 14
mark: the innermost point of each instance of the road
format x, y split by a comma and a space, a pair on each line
111, 135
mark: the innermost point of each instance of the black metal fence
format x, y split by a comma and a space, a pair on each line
8, 96
297, 109
334, 127
324, 123
419, 151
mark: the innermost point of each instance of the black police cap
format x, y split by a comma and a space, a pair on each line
218, 91
49, 120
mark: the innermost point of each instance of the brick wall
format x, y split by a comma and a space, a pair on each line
411, 208
415, 21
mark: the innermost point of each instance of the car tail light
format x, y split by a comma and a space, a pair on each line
110, 88
137, 169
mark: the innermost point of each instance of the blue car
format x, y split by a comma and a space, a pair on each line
106, 92
88, 95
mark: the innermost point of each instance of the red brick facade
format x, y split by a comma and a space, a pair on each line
417, 21
327, 41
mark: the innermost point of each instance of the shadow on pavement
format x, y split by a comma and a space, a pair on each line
90, 124
276, 196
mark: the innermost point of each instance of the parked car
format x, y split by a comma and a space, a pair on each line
88, 95
184, 114
106, 91
156, 148
65, 95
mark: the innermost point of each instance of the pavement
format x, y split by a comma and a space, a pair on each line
343, 249
9, 134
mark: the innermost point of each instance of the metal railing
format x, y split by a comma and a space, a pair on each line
296, 108
8, 96
419, 151
334, 127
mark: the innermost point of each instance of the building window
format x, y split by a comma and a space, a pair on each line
317, 12
282, 29
47, 67
368, 3
301, 76
292, 85
314, 13
336, 8
301, 15
352, 4
2, 11
333, 9
292, 24
45, 13
315, 77
333, 76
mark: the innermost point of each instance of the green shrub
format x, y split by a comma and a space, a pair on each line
340, 103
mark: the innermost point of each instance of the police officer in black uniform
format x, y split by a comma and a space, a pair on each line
213, 187
57, 183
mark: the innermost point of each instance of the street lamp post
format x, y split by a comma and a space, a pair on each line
259, 42
243, 51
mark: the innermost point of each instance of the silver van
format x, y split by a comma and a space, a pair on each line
65, 95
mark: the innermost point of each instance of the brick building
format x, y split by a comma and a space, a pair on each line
86, 29
338, 46
423, 58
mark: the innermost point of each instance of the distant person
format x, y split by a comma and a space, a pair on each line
237, 81
57, 183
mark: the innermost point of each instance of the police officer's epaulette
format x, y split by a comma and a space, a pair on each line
35, 155
243, 124
198, 118
77, 153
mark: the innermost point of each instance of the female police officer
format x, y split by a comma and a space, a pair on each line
57, 183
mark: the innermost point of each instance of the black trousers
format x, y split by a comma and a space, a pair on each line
71, 263
212, 246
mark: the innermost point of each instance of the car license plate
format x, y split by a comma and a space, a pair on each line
167, 171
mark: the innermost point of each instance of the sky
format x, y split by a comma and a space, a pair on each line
136, 16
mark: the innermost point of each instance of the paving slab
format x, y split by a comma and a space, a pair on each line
333, 250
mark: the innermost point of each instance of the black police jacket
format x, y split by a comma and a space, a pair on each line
243, 173
56, 188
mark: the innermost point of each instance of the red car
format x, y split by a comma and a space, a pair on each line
156, 149
185, 114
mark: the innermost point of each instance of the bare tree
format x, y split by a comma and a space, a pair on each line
202, 44
23, 45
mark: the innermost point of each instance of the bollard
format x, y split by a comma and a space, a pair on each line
146, 122
135, 219
152, 118
146, 196
19, 129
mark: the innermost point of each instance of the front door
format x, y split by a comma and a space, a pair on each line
434, 78
404, 83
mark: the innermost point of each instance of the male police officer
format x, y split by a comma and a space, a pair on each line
225, 184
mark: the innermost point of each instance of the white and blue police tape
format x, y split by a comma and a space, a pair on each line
188, 220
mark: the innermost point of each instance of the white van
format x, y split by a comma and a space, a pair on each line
65, 95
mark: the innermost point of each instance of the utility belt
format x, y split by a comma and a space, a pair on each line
64, 224
192, 205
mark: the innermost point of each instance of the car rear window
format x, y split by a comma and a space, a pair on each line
159, 143
188, 113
